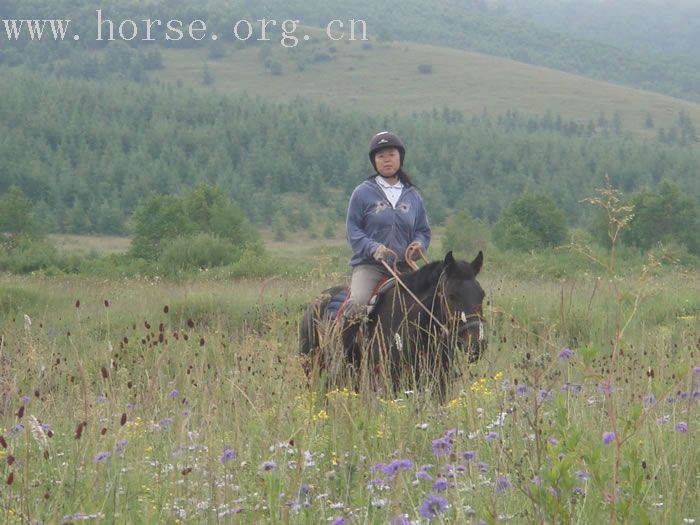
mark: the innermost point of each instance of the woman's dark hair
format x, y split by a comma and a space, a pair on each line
405, 178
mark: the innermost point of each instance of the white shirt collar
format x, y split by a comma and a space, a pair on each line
384, 184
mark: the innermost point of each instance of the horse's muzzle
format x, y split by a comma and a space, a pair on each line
472, 334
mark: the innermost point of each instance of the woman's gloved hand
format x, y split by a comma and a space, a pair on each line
413, 251
382, 253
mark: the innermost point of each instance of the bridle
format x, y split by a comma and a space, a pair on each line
464, 320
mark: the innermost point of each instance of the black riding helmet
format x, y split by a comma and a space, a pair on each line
383, 140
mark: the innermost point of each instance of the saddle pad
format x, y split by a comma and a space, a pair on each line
337, 303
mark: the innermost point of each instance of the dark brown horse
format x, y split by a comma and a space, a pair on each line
411, 339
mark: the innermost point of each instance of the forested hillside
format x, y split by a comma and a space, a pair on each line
467, 24
87, 153
669, 27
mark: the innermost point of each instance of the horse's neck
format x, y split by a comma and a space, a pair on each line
429, 294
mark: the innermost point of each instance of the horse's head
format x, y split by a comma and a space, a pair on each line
463, 300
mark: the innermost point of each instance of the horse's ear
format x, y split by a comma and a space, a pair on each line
449, 262
476, 263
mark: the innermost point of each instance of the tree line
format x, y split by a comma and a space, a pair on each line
86, 154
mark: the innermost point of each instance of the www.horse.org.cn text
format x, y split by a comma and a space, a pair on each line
286, 32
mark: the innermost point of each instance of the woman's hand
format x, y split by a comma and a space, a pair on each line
414, 251
382, 253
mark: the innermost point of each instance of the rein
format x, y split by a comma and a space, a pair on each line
395, 275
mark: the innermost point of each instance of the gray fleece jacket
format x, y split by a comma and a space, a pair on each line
371, 221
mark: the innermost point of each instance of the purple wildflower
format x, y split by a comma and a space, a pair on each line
696, 370
682, 426
101, 456
399, 464
294, 505
174, 393
17, 429
392, 468
26, 399
578, 491
605, 387
268, 466
101, 398
583, 475
544, 394
521, 390
608, 437
663, 419
566, 353
469, 455
649, 400
483, 467
305, 488
422, 474
443, 445
340, 521
577, 389
491, 436
432, 506
403, 519
450, 470
552, 441
440, 485
502, 484
165, 423
536, 481
226, 456
121, 444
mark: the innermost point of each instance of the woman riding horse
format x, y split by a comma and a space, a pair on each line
385, 217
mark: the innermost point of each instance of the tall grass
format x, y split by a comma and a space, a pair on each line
160, 401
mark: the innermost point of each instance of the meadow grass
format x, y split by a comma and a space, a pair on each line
366, 74
145, 400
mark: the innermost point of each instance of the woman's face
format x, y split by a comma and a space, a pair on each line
388, 161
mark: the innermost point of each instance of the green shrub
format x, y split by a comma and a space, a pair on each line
532, 221
465, 235
198, 252
205, 210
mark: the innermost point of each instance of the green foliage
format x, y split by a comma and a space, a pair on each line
123, 142
155, 220
664, 215
197, 252
200, 229
532, 222
32, 255
465, 235
17, 218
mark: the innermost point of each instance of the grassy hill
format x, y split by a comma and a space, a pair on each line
384, 78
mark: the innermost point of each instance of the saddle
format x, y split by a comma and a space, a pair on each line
337, 303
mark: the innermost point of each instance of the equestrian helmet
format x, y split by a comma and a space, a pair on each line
383, 140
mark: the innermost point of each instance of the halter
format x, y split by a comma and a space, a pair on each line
466, 318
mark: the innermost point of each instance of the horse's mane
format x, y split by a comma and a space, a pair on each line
421, 279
